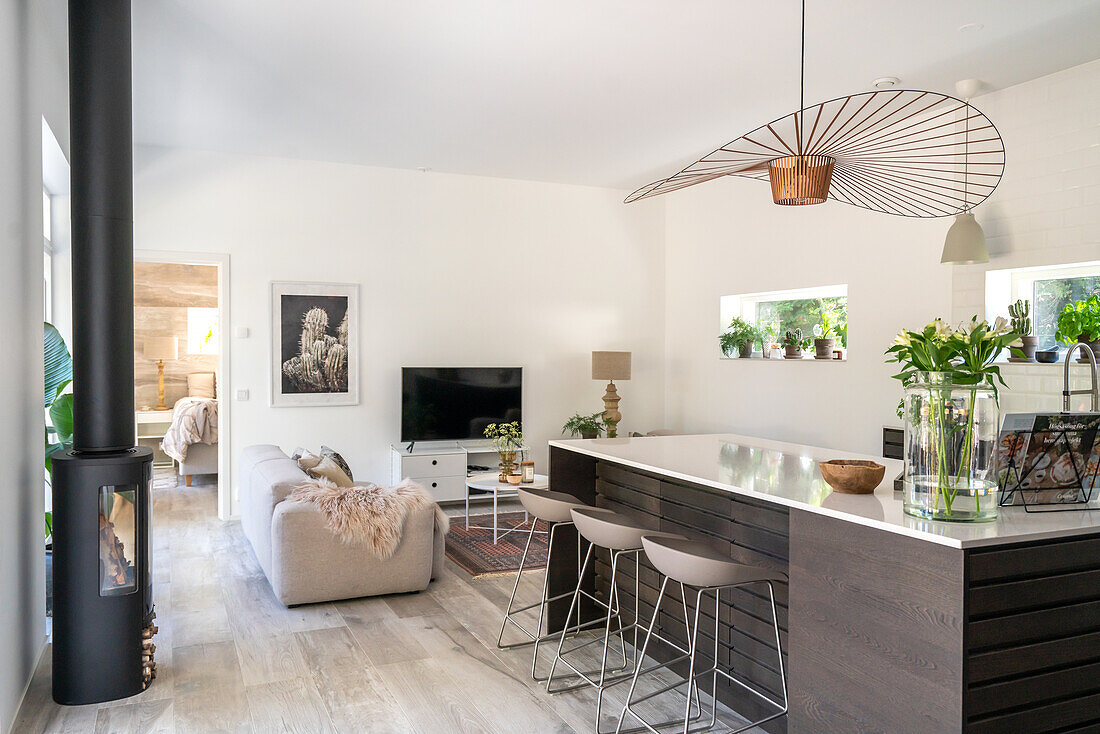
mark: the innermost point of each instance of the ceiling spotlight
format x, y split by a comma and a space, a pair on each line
970, 27
885, 82
423, 169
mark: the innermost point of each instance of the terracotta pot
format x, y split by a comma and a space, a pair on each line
1081, 356
792, 352
823, 348
745, 351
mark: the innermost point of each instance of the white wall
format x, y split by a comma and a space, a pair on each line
453, 270
33, 84
727, 237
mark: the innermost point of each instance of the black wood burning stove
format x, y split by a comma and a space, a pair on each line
103, 606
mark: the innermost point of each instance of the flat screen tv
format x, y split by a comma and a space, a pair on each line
456, 403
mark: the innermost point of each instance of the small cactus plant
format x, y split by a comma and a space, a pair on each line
793, 338
1021, 317
321, 364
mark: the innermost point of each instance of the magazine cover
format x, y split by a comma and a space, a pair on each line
1048, 458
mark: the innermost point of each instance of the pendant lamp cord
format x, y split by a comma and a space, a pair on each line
802, 78
966, 154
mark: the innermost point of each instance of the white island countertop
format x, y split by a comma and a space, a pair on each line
787, 474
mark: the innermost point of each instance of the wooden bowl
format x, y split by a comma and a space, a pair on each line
852, 476
514, 478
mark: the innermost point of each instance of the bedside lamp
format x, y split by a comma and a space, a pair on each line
611, 366
158, 349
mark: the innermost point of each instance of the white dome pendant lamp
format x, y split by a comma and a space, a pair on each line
965, 243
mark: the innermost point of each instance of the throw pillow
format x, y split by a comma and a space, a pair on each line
307, 459
330, 470
326, 451
200, 385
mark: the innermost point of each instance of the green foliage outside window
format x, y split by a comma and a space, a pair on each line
805, 314
1052, 296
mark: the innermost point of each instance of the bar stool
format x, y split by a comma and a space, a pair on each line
699, 565
622, 536
552, 508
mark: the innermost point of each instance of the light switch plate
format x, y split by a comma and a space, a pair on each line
242, 332
242, 394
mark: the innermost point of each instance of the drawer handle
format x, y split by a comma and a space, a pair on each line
434, 484
434, 462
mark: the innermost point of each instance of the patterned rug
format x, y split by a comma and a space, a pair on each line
473, 549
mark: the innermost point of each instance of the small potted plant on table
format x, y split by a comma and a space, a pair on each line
794, 343
1080, 322
507, 439
740, 336
585, 426
824, 339
1024, 350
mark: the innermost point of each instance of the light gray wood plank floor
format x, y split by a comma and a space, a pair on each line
231, 658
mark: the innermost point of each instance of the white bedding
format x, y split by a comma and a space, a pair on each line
194, 420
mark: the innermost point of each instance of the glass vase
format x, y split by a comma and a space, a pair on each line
951, 426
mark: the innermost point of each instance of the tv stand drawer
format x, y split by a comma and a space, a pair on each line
444, 489
434, 465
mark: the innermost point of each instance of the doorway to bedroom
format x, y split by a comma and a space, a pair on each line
179, 362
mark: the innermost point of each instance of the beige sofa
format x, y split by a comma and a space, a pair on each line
306, 563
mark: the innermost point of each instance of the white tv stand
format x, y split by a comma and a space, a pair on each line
441, 467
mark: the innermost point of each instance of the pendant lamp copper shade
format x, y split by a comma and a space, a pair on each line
798, 180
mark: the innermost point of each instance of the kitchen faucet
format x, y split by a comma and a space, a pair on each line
1066, 392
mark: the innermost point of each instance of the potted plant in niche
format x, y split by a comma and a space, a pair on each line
824, 338
1024, 350
951, 413
767, 339
1080, 322
585, 426
794, 343
507, 439
739, 336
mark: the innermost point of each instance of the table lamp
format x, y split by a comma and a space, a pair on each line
611, 366
158, 349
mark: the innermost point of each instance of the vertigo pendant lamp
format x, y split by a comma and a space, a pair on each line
904, 152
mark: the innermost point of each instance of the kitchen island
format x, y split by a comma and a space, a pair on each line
890, 623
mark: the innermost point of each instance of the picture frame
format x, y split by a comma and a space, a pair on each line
321, 367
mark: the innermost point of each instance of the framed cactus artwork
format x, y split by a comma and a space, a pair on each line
314, 344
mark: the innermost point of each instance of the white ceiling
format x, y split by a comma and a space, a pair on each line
598, 92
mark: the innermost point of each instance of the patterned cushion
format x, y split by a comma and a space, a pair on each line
326, 451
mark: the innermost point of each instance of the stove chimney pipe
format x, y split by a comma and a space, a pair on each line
100, 101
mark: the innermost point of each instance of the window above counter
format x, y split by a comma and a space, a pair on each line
803, 318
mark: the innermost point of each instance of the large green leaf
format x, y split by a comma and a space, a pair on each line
61, 416
57, 363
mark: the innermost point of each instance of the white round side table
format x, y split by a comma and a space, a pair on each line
489, 482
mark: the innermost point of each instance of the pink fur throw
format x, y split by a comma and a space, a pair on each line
367, 514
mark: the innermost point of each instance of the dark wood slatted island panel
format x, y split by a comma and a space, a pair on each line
1033, 637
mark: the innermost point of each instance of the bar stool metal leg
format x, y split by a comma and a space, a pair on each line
714, 670
536, 638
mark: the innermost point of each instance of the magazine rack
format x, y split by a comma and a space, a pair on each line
1013, 494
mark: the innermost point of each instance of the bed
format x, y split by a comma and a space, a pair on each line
192, 438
